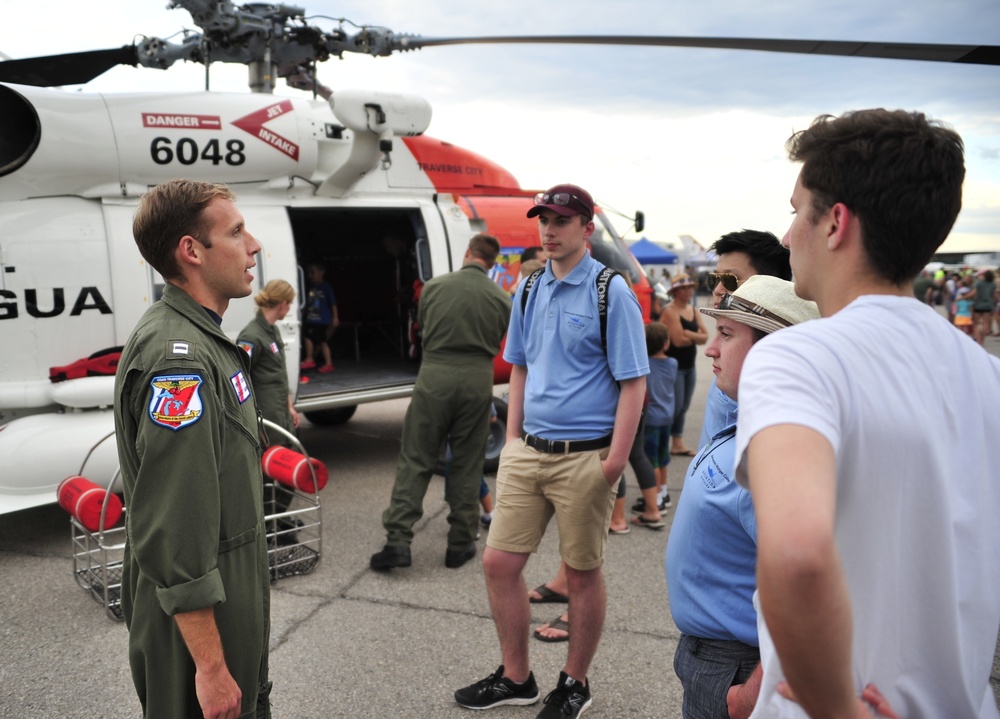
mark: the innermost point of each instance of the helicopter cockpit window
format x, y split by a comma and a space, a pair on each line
609, 248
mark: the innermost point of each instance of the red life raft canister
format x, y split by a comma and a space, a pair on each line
292, 469
84, 500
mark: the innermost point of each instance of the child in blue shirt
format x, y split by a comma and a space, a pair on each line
321, 318
660, 410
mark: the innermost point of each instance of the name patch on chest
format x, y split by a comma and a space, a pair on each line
176, 400
275, 348
242, 387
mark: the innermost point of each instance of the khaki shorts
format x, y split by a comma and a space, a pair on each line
532, 486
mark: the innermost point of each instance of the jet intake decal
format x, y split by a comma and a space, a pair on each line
254, 124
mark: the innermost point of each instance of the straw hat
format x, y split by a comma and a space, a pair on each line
681, 281
765, 302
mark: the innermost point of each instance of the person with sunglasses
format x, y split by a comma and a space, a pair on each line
741, 255
878, 549
712, 550
572, 417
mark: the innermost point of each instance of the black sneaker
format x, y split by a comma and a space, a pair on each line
495, 690
640, 504
568, 700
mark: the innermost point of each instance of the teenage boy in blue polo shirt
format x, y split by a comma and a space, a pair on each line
573, 413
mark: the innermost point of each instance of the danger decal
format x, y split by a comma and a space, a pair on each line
255, 122
187, 122
176, 400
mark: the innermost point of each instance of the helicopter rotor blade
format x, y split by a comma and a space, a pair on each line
73, 68
970, 54
312, 44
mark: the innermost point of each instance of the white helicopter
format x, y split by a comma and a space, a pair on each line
345, 178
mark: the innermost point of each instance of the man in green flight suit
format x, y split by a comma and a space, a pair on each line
195, 589
463, 318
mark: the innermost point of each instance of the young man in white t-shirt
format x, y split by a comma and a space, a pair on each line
878, 539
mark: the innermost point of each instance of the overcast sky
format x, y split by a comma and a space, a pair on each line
694, 138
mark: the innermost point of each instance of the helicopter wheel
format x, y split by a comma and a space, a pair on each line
330, 417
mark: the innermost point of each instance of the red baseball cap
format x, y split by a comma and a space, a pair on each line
566, 200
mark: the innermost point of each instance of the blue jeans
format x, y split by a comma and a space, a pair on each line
707, 669
683, 392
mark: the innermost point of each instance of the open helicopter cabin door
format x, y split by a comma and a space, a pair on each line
376, 260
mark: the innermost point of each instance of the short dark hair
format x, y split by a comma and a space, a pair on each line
167, 213
898, 171
657, 336
485, 247
531, 253
766, 253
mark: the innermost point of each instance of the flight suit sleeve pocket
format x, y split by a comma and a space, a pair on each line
239, 540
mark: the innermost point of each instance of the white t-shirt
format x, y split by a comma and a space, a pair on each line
911, 408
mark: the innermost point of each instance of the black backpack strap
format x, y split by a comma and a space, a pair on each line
529, 282
604, 278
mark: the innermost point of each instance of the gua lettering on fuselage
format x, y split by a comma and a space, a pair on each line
89, 298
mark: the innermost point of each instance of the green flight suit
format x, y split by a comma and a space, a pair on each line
188, 444
268, 372
463, 318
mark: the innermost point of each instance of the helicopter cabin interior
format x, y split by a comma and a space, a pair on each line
370, 259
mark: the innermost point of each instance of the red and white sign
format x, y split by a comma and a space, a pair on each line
184, 122
254, 124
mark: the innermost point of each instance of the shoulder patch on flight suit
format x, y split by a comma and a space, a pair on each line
176, 400
180, 348
246, 347
241, 386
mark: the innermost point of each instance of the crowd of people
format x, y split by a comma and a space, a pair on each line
970, 296
833, 553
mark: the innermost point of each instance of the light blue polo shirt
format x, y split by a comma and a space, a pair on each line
720, 412
571, 392
712, 549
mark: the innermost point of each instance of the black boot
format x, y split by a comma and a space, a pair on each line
455, 558
390, 557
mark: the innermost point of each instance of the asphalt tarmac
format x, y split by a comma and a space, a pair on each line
347, 641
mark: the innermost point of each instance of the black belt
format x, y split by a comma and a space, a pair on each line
557, 446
